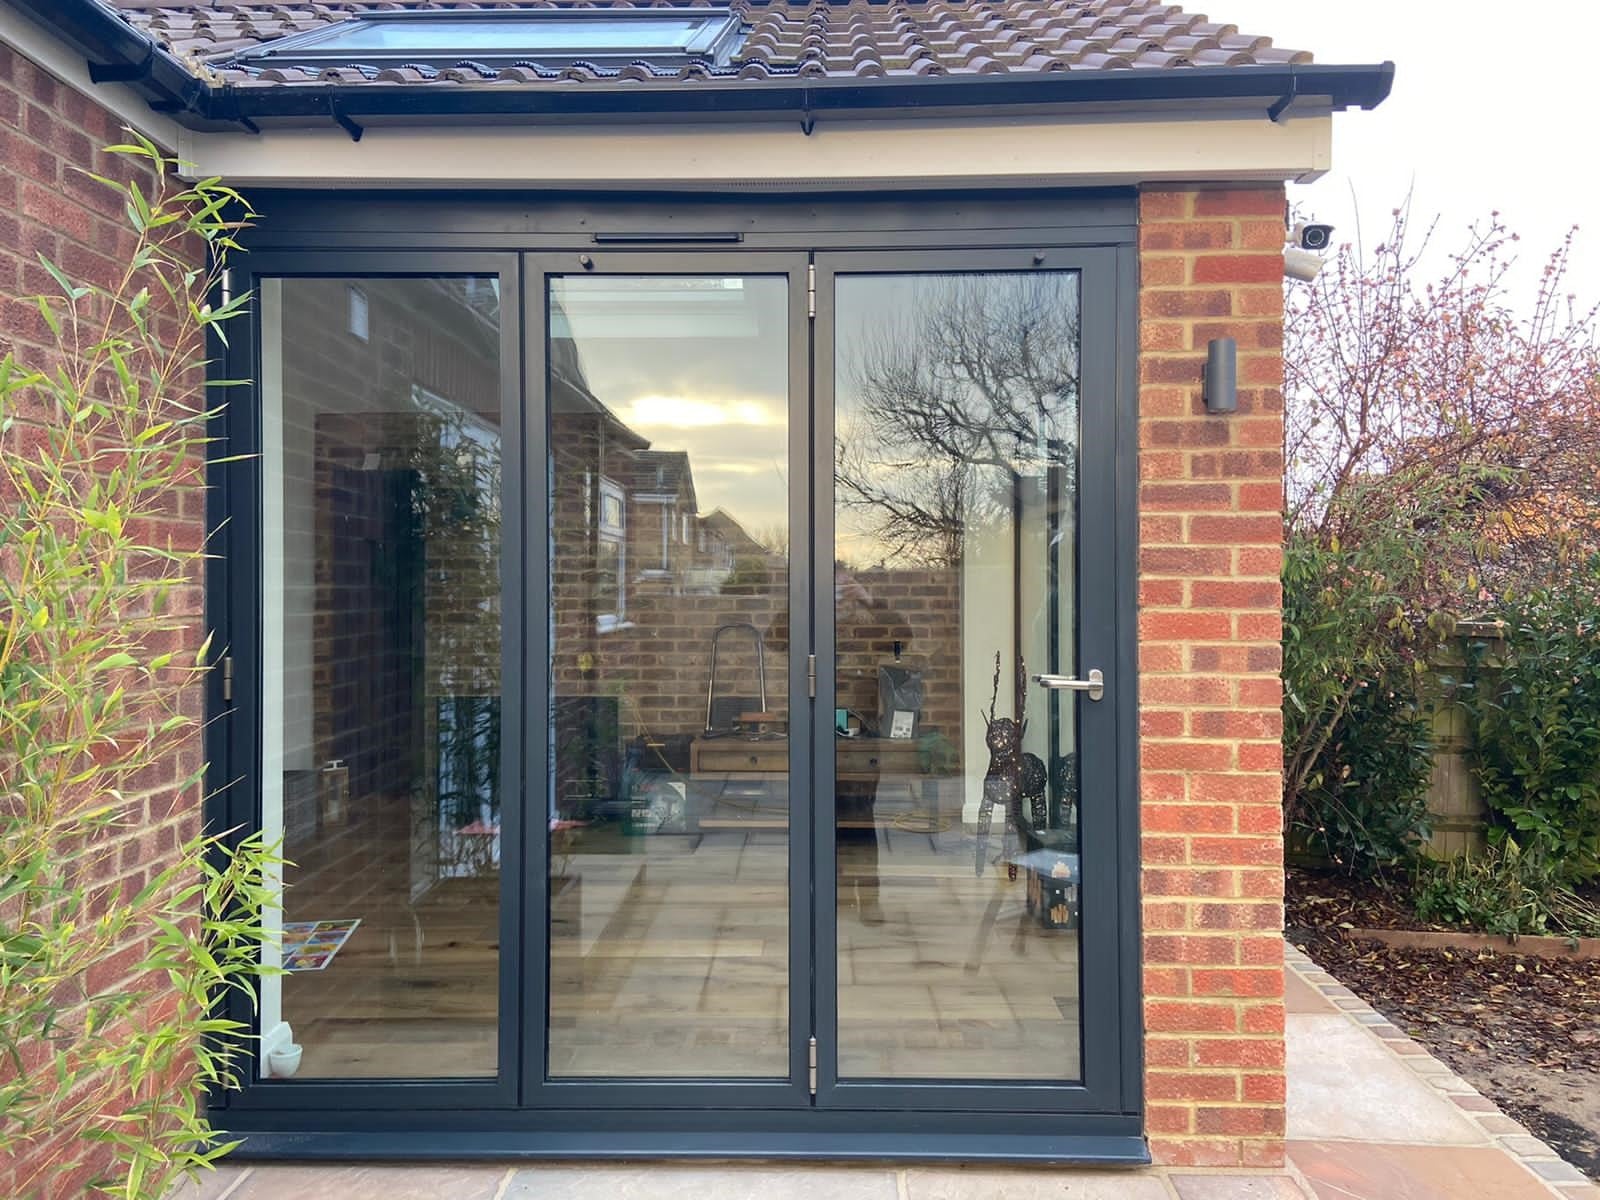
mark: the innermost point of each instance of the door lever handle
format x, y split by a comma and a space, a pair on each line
1095, 684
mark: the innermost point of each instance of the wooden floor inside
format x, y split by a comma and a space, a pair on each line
669, 959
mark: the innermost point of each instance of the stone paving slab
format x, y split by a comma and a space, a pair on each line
1372, 1116
339, 1181
973, 1183
1300, 996
1237, 1187
213, 1185
1345, 1084
1388, 1172
671, 1181
1499, 1132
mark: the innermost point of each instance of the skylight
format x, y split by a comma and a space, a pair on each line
500, 37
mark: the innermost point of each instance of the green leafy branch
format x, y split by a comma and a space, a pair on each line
122, 924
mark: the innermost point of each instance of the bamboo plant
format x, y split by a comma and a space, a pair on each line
124, 924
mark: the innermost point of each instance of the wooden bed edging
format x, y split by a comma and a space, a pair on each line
1529, 944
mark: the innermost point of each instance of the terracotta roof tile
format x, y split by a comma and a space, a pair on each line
861, 39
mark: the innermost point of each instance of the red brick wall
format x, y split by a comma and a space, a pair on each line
1209, 626
47, 207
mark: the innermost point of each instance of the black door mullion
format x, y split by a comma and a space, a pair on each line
534, 932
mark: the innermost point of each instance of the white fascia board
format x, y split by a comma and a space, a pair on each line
36, 44
1023, 151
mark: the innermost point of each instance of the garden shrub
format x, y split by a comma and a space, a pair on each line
1534, 698
1505, 890
1357, 743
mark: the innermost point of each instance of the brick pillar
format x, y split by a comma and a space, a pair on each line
1210, 615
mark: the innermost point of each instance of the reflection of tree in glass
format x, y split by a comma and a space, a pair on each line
454, 458
947, 404
774, 538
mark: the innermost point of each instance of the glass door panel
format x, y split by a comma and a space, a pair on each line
955, 482
381, 451
669, 804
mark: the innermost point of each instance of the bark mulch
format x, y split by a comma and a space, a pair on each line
1524, 1031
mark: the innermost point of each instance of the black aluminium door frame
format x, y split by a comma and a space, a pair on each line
235, 607
539, 1090
385, 233
1108, 972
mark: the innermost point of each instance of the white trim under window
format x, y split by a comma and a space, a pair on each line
613, 546
360, 321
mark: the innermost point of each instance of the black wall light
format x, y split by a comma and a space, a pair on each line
1222, 376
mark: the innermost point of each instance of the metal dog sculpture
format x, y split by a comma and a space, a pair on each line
1003, 782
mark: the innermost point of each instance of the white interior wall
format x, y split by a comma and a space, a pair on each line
273, 1031
288, 580
1033, 585
988, 578
987, 584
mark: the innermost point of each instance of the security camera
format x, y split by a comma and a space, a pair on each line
1309, 235
1302, 257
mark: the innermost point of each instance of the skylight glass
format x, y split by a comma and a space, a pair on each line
566, 36
500, 36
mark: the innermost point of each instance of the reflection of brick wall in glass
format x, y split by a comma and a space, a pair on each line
388, 536
668, 417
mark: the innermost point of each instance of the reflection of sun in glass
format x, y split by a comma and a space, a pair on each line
683, 412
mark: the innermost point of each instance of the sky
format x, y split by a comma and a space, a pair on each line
1494, 107
697, 365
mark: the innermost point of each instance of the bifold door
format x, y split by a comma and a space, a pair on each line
966, 833
374, 640
672, 883
684, 682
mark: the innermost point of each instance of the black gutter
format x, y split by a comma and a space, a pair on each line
117, 52
1342, 86
115, 49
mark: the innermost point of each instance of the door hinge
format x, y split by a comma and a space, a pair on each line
811, 290
811, 1064
227, 285
811, 676
227, 678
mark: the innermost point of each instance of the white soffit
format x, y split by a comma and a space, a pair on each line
1030, 151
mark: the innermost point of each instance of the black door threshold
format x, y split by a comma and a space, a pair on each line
1096, 1150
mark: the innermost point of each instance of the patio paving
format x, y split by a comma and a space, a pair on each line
1371, 1116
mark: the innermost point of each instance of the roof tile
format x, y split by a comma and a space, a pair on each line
861, 39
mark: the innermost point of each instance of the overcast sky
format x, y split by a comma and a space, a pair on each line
1494, 107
